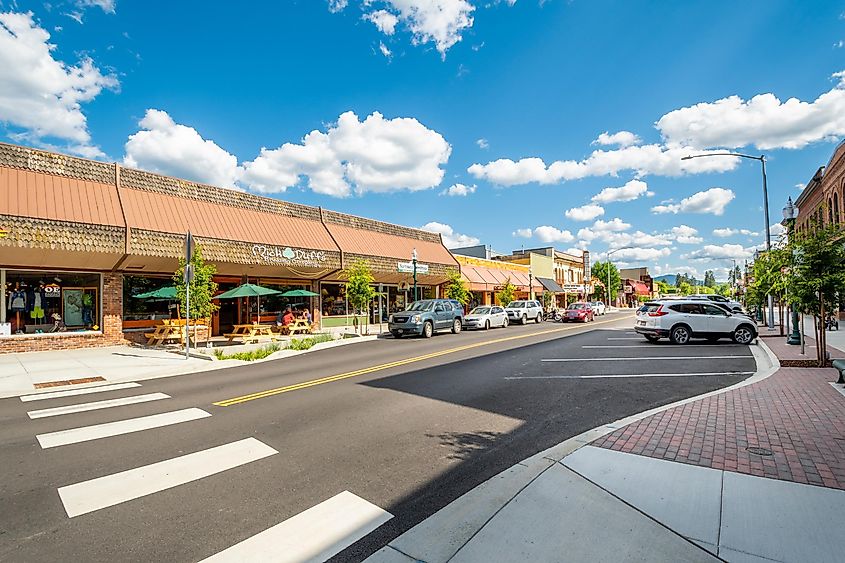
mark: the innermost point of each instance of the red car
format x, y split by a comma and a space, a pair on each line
578, 312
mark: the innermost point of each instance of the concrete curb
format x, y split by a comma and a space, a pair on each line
442, 535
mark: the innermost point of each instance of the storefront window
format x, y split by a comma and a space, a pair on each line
147, 308
332, 297
272, 305
40, 302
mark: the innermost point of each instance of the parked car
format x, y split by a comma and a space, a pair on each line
486, 316
425, 317
683, 320
523, 311
582, 312
714, 299
598, 308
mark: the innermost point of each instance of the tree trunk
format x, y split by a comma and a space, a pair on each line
821, 343
780, 315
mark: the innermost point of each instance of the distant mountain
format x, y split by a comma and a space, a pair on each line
668, 278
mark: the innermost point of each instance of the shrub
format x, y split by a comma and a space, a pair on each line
308, 342
250, 356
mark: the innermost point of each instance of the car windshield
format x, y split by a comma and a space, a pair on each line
480, 311
421, 306
576, 306
516, 304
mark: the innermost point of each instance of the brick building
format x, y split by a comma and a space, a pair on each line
80, 239
822, 197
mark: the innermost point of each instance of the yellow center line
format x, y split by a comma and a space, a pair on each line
381, 367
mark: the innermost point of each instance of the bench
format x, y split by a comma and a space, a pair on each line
840, 366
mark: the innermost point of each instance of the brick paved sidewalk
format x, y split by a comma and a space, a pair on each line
795, 413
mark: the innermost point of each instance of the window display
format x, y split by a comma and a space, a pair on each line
41, 302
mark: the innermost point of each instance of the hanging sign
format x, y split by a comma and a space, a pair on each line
588, 271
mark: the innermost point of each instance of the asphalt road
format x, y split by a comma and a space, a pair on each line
409, 425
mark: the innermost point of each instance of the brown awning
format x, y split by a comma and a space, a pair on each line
353, 240
480, 278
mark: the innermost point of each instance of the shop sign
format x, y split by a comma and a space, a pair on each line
4, 233
573, 288
629, 289
288, 255
52, 290
408, 268
588, 270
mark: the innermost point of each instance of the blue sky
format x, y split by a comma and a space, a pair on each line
409, 98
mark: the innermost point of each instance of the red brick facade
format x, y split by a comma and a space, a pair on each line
112, 329
823, 198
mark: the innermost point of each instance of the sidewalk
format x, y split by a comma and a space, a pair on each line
752, 473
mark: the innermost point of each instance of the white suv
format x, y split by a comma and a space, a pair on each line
524, 311
682, 320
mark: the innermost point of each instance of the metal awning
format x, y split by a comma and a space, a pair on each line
550, 285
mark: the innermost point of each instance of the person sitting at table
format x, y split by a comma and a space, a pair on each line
288, 317
306, 314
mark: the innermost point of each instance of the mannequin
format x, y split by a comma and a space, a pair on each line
17, 303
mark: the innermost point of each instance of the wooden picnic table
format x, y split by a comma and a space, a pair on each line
298, 326
165, 332
251, 332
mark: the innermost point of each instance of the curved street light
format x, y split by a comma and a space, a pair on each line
762, 158
609, 254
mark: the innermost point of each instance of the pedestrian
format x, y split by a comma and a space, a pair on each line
306, 314
288, 317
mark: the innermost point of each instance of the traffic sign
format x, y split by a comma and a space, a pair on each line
408, 268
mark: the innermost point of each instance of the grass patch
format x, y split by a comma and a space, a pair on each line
250, 356
308, 342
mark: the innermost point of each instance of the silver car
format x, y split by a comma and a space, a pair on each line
486, 316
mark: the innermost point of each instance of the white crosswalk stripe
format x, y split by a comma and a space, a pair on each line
316, 534
83, 391
97, 431
82, 407
88, 496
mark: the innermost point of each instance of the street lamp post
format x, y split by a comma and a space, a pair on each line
609, 254
414, 260
790, 213
762, 158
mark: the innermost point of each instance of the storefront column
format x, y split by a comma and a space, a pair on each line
2, 296
112, 299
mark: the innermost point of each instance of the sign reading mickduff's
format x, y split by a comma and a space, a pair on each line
288, 255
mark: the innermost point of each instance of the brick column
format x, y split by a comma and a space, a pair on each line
113, 306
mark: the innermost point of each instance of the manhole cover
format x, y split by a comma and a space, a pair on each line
759, 451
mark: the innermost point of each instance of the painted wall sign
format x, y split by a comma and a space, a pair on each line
288, 255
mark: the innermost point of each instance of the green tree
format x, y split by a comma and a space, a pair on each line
662, 287
685, 288
359, 288
816, 279
202, 287
548, 298
600, 270
709, 279
724, 289
507, 293
456, 288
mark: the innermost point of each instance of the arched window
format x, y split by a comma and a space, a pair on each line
836, 208
829, 211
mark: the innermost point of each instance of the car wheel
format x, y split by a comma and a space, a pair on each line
523, 320
680, 334
428, 329
539, 318
397, 334
487, 324
743, 334
505, 323
456, 326
651, 337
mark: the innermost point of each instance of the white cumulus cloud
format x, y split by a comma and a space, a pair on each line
621, 138
107, 6
764, 121
726, 232
546, 233
711, 201
720, 252
614, 225
451, 239
644, 160
43, 95
164, 146
373, 155
629, 192
459, 190
641, 254
585, 212
383, 20
483, 144
523, 233
684, 234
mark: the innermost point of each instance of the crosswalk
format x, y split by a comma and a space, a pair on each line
315, 534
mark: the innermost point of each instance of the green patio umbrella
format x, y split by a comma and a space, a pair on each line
248, 290
163, 293
300, 293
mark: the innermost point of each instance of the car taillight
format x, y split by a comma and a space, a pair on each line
659, 312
